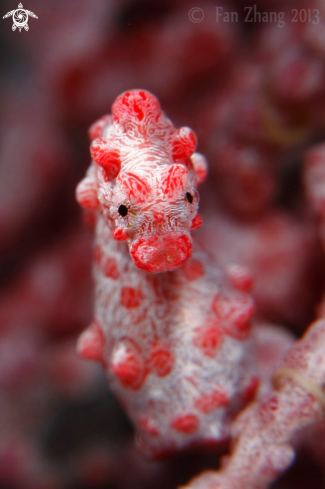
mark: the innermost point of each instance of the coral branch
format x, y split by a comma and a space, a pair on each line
267, 434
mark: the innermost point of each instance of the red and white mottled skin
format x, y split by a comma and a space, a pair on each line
176, 346
268, 432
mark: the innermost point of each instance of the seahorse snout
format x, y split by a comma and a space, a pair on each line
161, 253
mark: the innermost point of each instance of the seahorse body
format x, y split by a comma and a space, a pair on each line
176, 345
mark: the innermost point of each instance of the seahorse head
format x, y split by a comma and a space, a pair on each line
146, 175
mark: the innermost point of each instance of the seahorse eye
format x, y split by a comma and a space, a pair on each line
189, 197
123, 210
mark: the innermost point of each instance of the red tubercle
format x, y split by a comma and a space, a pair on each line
161, 360
136, 106
91, 343
135, 188
127, 365
97, 127
208, 339
86, 194
235, 314
184, 144
98, 254
187, 423
200, 166
120, 234
193, 269
208, 403
197, 222
173, 180
106, 157
111, 269
131, 297
240, 277
149, 425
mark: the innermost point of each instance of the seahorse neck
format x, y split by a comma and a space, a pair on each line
108, 247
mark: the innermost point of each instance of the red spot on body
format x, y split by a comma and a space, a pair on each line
208, 339
240, 277
184, 143
86, 194
98, 254
138, 111
200, 167
96, 129
250, 390
111, 269
131, 297
136, 105
91, 343
197, 222
135, 188
173, 180
149, 426
235, 314
207, 403
161, 360
186, 424
106, 157
127, 365
193, 269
